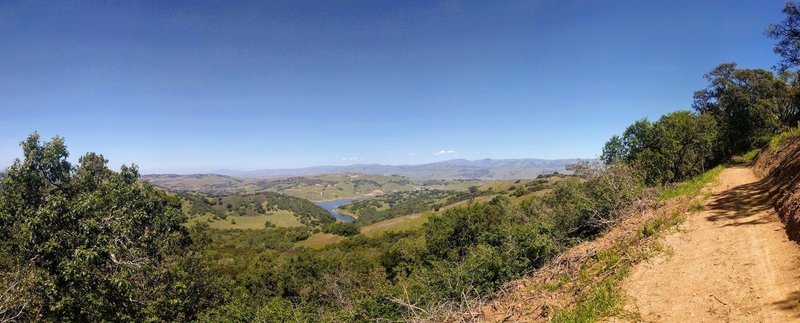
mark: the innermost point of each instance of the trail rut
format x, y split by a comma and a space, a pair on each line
731, 262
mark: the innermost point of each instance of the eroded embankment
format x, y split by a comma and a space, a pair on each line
780, 168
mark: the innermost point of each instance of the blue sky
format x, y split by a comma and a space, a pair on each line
193, 86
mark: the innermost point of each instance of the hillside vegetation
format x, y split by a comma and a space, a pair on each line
458, 255
314, 188
85, 243
454, 169
263, 204
396, 204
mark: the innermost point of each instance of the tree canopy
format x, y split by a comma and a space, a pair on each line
788, 35
84, 242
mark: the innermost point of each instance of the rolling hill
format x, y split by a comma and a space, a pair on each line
315, 188
484, 169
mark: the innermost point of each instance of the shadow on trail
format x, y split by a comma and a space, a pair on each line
742, 205
749, 204
790, 304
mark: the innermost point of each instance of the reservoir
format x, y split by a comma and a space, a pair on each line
331, 206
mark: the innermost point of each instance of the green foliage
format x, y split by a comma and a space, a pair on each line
341, 228
585, 209
93, 244
404, 203
461, 253
787, 33
252, 204
659, 224
739, 110
749, 156
747, 104
198, 205
604, 300
679, 145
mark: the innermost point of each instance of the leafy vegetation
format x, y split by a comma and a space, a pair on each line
733, 114
677, 146
341, 229
263, 204
397, 204
463, 252
85, 243
403, 203
598, 282
748, 156
89, 244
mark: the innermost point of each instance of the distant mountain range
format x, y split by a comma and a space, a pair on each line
487, 169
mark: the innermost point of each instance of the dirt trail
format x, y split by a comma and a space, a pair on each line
732, 262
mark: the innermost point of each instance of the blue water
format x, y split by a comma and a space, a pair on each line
331, 206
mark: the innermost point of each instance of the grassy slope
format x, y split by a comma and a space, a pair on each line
776, 141
692, 186
417, 220
280, 218
249, 211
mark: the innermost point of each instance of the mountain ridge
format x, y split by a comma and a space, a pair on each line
487, 168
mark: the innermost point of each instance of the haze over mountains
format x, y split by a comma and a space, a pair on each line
486, 169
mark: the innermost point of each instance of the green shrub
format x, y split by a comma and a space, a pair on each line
341, 228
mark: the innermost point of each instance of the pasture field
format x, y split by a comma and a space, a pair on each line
280, 218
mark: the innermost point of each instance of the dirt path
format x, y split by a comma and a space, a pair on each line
732, 263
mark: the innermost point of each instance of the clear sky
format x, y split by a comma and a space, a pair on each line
193, 86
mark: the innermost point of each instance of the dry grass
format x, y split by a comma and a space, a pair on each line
320, 240
279, 218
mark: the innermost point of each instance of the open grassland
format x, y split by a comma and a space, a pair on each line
279, 218
319, 240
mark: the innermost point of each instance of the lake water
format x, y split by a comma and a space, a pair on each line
332, 205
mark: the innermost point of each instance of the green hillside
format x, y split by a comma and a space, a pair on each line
276, 208
314, 188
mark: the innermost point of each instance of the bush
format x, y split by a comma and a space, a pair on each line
584, 210
677, 146
341, 228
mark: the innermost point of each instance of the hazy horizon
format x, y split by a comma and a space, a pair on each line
216, 171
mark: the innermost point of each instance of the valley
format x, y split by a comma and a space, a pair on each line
314, 188
325, 161
407, 206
